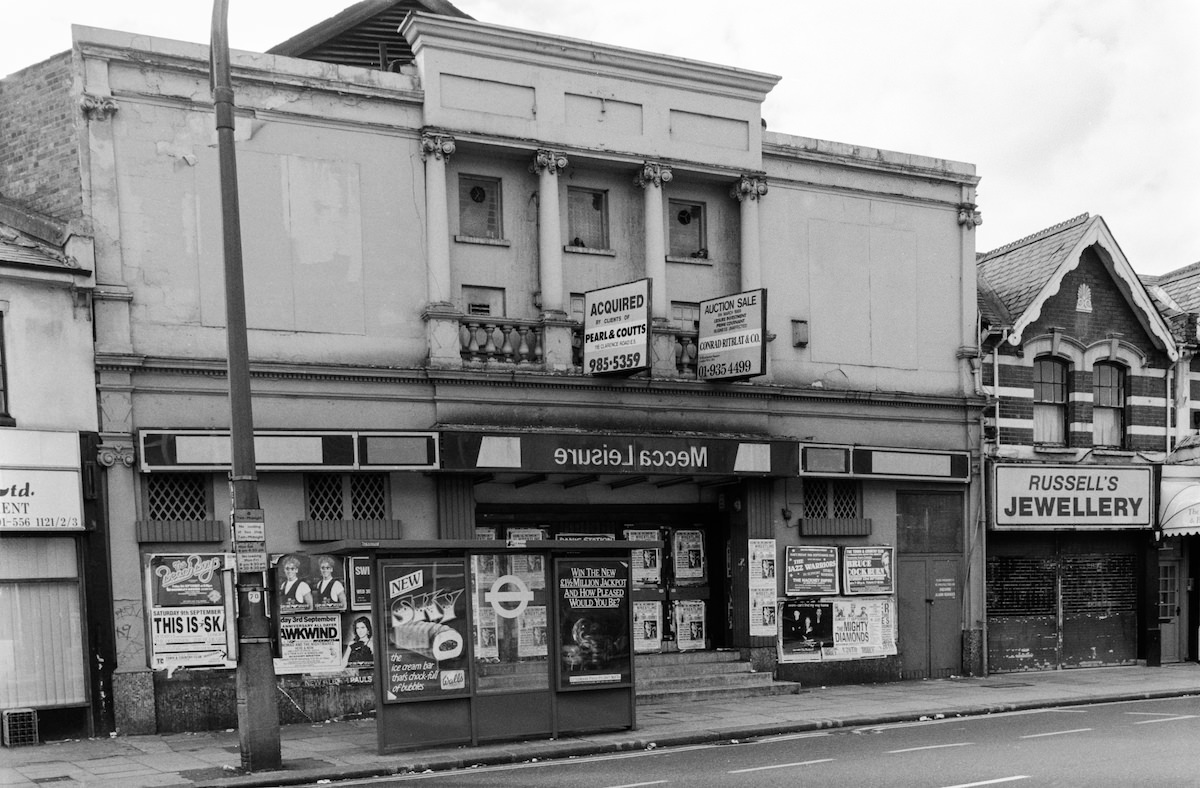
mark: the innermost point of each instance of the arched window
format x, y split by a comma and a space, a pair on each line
1050, 401
1108, 405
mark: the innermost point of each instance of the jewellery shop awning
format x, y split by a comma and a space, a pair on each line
1179, 500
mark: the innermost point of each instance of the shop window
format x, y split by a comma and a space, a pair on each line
483, 301
836, 498
587, 218
686, 221
929, 522
686, 314
6, 419
346, 496
177, 496
1050, 401
479, 207
1108, 405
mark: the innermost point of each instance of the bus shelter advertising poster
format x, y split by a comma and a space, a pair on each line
594, 621
425, 642
810, 570
868, 570
190, 607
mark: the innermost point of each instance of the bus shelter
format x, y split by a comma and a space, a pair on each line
482, 640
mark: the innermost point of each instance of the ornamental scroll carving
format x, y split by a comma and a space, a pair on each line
653, 173
969, 216
549, 161
110, 456
749, 187
98, 107
439, 146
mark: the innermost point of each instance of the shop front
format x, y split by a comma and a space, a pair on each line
1071, 552
694, 495
1179, 529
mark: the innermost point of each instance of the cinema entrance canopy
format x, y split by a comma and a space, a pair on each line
619, 460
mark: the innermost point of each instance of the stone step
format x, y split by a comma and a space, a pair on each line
695, 669
654, 697
743, 678
687, 657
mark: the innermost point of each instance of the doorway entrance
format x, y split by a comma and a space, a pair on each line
928, 621
1170, 606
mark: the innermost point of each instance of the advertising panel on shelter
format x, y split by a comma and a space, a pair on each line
1073, 497
594, 618
425, 637
733, 336
616, 329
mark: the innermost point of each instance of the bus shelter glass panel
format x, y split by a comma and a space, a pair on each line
509, 606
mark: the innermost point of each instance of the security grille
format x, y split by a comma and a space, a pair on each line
837, 498
177, 496
331, 496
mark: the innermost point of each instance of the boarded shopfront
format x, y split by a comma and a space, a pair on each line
1066, 566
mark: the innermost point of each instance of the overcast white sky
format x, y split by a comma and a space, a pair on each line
1063, 106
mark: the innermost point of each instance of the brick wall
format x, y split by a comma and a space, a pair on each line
39, 142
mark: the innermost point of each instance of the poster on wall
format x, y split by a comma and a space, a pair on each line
868, 570
647, 563
360, 582
358, 644
309, 643
425, 643
862, 628
688, 550
328, 583
647, 626
487, 640
594, 621
810, 570
805, 628
689, 624
531, 635
293, 592
762, 587
190, 604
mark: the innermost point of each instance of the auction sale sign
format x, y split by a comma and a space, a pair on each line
733, 344
616, 329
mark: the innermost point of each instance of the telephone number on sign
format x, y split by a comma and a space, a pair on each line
743, 367
614, 363
39, 522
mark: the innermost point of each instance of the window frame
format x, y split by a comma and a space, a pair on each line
675, 246
495, 222
604, 242
1118, 391
1044, 398
348, 493
6, 419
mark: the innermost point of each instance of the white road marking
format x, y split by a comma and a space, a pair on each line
1055, 733
932, 747
1012, 779
780, 766
1167, 719
639, 785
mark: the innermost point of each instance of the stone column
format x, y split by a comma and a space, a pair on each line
747, 191
440, 314
662, 341
556, 327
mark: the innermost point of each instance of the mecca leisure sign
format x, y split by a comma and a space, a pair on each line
616, 329
733, 343
1072, 497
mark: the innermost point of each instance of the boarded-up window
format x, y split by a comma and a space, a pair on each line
41, 639
929, 522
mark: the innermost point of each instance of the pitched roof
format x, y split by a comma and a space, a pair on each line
1024, 274
1182, 285
29, 239
367, 34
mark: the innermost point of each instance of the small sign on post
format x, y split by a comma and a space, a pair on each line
250, 540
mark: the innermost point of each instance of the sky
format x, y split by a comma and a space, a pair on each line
1064, 106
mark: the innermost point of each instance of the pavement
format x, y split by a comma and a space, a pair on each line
334, 751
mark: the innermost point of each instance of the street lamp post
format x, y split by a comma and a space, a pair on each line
258, 714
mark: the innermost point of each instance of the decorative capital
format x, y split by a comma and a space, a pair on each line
549, 161
98, 107
653, 173
439, 146
109, 456
968, 216
749, 187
